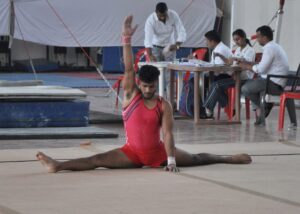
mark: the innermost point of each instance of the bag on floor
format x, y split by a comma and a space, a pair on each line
186, 102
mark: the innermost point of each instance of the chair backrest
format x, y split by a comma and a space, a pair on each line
295, 82
142, 53
200, 53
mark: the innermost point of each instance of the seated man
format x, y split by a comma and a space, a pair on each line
218, 90
144, 115
274, 61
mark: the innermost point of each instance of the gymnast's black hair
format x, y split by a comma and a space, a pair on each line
148, 73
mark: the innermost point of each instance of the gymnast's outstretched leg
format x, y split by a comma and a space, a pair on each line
114, 159
184, 158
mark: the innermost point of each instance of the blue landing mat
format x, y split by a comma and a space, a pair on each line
44, 114
57, 79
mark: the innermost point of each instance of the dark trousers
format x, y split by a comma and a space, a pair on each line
217, 92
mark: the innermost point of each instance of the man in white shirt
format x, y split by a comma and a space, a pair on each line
274, 61
161, 28
214, 43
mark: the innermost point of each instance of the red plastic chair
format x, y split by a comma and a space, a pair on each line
142, 53
229, 109
294, 93
198, 54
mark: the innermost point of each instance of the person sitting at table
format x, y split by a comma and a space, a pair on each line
274, 61
218, 89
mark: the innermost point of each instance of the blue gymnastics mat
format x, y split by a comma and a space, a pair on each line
57, 79
44, 114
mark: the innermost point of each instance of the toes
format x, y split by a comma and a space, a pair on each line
41, 156
241, 159
247, 158
38, 156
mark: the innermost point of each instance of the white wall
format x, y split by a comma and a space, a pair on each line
250, 14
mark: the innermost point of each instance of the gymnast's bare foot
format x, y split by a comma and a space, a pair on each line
49, 163
240, 159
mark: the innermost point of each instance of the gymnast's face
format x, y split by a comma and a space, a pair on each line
148, 89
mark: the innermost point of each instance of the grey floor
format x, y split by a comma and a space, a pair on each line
269, 185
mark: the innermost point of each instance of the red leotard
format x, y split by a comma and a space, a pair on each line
142, 126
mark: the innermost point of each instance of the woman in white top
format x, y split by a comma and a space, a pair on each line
244, 52
218, 90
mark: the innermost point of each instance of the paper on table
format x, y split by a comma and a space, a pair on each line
201, 63
198, 62
189, 64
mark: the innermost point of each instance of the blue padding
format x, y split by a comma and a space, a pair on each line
57, 79
183, 53
112, 58
39, 65
47, 67
44, 114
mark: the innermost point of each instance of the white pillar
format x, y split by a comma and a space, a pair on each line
232, 21
11, 23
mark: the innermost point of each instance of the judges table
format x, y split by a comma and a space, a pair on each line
197, 69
